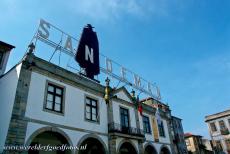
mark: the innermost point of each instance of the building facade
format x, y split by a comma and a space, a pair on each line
5, 49
195, 144
43, 104
219, 127
208, 144
178, 136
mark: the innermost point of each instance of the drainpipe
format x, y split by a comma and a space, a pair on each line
108, 101
135, 101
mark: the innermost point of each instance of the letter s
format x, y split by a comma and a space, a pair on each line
42, 28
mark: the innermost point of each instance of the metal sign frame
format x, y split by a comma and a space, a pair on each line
143, 86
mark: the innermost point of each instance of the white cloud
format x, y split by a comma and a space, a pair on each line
10, 10
94, 9
114, 9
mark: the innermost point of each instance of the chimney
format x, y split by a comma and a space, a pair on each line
4, 55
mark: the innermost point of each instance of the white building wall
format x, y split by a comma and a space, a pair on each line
8, 86
149, 137
216, 121
165, 139
123, 96
217, 135
74, 106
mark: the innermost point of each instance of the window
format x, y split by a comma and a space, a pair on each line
187, 142
1, 59
219, 145
146, 125
54, 98
213, 127
161, 129
222, 125
124, 117
227, 142
91, 109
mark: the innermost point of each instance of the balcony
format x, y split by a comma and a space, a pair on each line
224, 131
117, 128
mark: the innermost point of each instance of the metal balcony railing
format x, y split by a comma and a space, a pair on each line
117, 128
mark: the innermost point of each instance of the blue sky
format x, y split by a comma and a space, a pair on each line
183, 46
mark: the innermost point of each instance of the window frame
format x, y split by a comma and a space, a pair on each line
214, 126
219, 144
227, 142
91, 98
62, 104
146, 123
161, 129
187, 142
128, 116
222, 125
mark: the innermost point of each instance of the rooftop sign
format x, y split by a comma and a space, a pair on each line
86, 52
